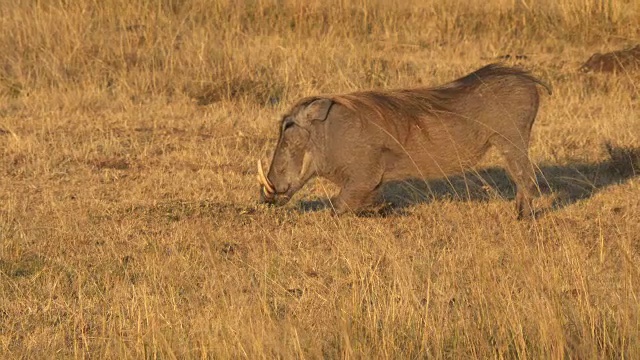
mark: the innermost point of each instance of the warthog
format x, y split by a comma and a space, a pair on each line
363, 139
613, 62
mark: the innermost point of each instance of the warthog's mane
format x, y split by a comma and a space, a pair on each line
400, 108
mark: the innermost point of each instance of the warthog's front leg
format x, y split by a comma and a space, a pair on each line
359, 192
353, 199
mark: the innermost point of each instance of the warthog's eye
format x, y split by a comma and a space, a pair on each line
287, 123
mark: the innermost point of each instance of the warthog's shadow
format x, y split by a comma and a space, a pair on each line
570, 183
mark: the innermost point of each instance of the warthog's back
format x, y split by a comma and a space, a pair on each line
430, 132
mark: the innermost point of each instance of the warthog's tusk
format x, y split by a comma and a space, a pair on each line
264, 181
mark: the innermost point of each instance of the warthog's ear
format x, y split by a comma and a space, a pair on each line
318, 110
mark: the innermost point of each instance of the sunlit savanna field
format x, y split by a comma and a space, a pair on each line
129, 223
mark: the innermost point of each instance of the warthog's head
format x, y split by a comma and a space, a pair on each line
298, 148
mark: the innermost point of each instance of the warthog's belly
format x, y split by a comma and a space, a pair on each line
434, 156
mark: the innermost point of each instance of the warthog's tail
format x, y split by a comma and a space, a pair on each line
524, 73
542, 83
497, 69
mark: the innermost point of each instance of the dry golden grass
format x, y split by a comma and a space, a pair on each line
129, 227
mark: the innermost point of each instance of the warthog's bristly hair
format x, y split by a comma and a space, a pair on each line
402, 108
496, 70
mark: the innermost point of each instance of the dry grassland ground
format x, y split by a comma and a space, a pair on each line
129, 132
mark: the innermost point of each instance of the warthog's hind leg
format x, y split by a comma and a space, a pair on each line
521, 171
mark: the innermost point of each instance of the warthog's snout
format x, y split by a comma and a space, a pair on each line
268, 193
